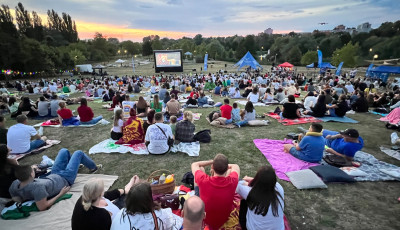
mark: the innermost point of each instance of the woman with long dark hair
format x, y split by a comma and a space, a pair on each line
319, 109
141, 212
249, 114
7, 168
262, 207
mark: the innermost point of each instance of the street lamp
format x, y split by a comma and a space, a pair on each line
375, 57
370, 50
119, 52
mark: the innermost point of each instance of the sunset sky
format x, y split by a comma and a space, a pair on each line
134, 19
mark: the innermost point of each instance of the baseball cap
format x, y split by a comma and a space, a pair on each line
350, 132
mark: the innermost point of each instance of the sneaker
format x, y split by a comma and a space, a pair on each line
98, 166
394, 137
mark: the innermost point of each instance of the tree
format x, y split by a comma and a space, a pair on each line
146, 48
309, 57
347, 54
294, 56
198, 39
215, 49
23, 19
156, 44
77, 56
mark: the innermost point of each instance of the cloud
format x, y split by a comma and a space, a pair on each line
146, 6
174, 2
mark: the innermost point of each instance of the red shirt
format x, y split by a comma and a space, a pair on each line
217, 194
226, 111
65, 113
85, 113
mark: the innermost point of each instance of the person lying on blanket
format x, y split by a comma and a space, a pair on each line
95, 209
217, 191
311, 147
19, 137
47, 190
345, 143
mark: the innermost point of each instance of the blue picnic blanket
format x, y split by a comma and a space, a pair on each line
338, 119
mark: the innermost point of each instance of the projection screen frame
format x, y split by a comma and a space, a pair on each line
171, 68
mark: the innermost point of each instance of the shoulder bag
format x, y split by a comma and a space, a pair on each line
170, 140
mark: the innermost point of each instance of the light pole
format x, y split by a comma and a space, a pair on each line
375, 57
125, 51
275, 57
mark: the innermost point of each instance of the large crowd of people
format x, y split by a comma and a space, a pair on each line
262, 203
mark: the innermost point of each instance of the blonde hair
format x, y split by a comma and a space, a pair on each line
188, 115
117, 116
92, 191
62, 104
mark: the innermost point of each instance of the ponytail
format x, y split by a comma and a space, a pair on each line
92, 191
86, 205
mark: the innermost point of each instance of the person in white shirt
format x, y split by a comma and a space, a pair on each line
19, 137
349, 87
54, 105
157, 136
127, 105
53, 87
264, 197
253, 96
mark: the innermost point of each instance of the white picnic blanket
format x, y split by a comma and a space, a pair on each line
102, 122
254, 104
108, 146
59, 215
393, 153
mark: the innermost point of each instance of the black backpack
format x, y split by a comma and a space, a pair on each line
203, 136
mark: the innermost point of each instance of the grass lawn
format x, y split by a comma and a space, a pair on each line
362, 205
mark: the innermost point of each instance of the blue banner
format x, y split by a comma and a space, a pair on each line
319, 58
205, 62
133, 65
369, 70
339, 69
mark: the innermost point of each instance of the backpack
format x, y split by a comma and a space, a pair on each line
203, 136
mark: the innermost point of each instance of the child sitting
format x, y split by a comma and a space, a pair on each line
116, 131
224, 92
172, 124
235, 113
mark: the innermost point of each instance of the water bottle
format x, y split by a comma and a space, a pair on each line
40, 131
162, 179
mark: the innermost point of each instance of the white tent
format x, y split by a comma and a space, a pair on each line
119, 61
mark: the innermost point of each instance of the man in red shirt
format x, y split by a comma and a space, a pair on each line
86, 114
216, 191
226, 111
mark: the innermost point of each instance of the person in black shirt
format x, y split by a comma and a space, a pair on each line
319, 109
340, 108
290, 109
7, 168
3, 130
361, 104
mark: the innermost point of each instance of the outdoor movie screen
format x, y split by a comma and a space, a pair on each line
168, 59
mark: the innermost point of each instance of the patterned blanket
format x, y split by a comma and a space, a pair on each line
302, 120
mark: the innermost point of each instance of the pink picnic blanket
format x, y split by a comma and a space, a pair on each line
282, 162
393, 117
301, 120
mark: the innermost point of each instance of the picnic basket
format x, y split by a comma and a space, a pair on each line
166, 188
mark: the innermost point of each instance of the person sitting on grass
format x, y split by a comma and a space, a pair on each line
290, 109
150, 120
202, 100
142, 213
47, 190
65, 115
7, 169
156, 104
192, 100
86, 114
344, 144
116, 131
319, 109
226, 111
185, 129
132, 131
95, 209
19, 137
157, 136
43, 107
3, 130
248, 114
340, 108
217, 190
173, 107
193, 213
361, 104
311, 147
262, 205
172, 124
142, 107
235, 113
253, 96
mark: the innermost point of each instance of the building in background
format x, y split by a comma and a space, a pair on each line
268, 31
364, 28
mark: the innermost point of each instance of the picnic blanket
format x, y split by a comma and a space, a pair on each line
373, 167
282, 162
254, 104
59, 215
108, 146
56, 124
393, 117
338, 119
228, 126
380, 114
393, 153
302, 120
49, 143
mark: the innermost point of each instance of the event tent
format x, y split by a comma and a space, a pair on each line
188, 53
323, 65
119, 61
286, 64
248, 60
383, 72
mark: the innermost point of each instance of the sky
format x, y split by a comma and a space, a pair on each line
135, 19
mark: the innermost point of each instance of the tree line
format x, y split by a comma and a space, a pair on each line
28, 44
